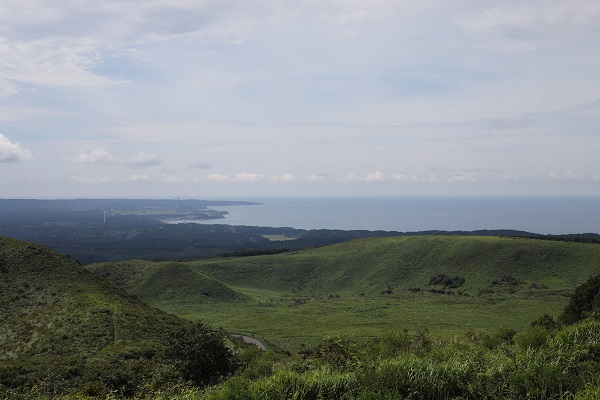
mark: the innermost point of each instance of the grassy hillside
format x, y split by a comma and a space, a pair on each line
170, 281
365, 287
372, 265
62, 326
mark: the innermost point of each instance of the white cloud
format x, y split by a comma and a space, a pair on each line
406, 178
92, 181
101, 156
350, 178
97, 156
11, 152
574, 176
377, 176
106, 179
170, 178
144, 160
139, 178
285, 178
462, 177
441, 175
315, 178
244, 177
64, 62
68, 44
7, 88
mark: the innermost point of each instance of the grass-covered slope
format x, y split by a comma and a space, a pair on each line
364, 287
167, 282
60, 321
372, 265
375, 265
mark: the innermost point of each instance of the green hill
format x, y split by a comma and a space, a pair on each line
169, 282
62, 327
449, 284
400, 263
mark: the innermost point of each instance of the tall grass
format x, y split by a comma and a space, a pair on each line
414, 366
405, 365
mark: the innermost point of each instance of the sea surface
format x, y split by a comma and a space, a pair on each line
544, 215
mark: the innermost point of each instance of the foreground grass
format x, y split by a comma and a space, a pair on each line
536, 364
540, 363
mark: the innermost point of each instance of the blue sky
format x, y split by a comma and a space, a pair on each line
196, 98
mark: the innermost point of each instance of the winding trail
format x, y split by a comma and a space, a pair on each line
253, 341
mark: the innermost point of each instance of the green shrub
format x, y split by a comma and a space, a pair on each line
200, 353
584, 303
547, 322
535, 337
337, 352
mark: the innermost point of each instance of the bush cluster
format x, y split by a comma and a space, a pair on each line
194, 355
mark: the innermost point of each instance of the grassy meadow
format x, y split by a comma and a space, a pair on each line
365, 288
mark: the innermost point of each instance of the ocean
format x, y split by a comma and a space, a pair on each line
536, 214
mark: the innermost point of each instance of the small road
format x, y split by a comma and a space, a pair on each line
253, 341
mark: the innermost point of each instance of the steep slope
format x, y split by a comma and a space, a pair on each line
62, 321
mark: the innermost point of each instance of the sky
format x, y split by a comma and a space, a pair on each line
239, 99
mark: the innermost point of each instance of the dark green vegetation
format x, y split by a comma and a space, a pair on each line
136, 230
584, 303
63, 330
425, 317
364, 288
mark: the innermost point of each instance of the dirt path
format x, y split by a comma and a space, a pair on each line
253, 341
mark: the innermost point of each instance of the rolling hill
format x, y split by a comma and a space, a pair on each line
363, 287
370, 266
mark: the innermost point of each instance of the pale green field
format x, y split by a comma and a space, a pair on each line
286, 323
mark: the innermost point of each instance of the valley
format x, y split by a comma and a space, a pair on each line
367, 287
